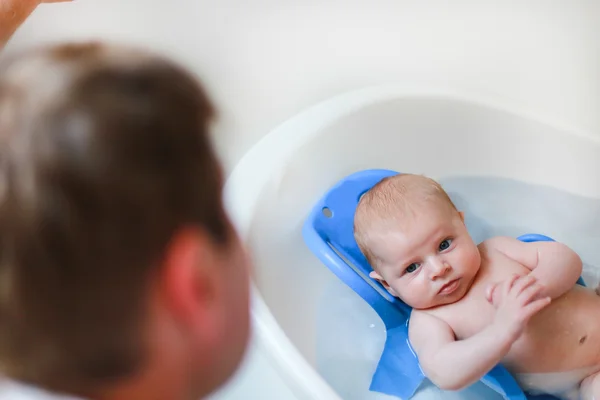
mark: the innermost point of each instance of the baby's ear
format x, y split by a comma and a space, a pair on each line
379, 278
462, 216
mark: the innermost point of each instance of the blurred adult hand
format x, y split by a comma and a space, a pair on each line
14, 12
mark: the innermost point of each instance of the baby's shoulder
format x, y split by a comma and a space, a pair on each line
419, 317
497, 244
430, 316
424, 324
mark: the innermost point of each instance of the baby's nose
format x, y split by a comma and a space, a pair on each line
439, 268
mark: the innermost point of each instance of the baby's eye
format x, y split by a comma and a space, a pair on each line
412, 268
445, 244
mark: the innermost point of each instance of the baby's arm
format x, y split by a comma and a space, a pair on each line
454, 364
554, 265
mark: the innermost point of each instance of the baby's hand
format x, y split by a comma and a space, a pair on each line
516, 300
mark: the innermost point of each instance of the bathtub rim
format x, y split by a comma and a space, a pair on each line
243, 189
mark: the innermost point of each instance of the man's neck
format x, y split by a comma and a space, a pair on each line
146, 388
165, 375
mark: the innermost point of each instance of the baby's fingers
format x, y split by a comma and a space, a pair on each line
489, 292
535, 306
530, 293
508, 284
523, 283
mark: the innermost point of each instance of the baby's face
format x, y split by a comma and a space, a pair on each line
432, 262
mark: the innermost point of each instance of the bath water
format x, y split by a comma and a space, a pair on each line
350, 336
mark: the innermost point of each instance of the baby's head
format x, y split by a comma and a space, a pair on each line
117, 259
416, 241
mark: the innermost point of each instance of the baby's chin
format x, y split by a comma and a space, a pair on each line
437, 302
431, 305
423, 305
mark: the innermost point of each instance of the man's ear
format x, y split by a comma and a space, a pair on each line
189, 283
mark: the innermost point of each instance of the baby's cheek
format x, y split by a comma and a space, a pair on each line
473, 257
414, 296
396, 290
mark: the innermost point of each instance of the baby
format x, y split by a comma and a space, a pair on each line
474, 306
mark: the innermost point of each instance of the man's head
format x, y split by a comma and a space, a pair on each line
118, 264
416, 241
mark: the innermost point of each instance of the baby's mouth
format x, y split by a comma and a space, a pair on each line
449, 287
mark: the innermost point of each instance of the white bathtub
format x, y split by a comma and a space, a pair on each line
442, 135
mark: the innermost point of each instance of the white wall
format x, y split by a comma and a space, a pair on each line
264, 60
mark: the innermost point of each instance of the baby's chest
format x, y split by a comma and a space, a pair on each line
470, 315
473, 313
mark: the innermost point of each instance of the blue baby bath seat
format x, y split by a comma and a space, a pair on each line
328, 232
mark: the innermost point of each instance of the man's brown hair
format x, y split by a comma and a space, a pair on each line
390, 200
104, 154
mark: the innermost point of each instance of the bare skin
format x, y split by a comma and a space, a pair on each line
503, 301
563, 325
14, 12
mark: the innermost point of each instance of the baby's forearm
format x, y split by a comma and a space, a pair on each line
462, 363
558, 269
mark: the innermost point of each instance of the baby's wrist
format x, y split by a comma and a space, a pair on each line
504, 335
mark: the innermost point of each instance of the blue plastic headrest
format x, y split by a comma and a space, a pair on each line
330, 226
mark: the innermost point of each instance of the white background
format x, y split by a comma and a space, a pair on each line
265, 60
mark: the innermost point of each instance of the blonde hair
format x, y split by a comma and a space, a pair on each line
388, 202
